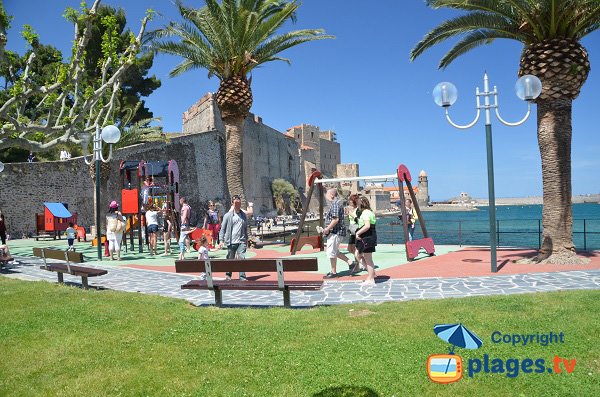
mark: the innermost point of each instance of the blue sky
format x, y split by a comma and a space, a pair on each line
363, 86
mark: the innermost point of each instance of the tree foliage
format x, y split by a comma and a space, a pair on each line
283, 193
47, 101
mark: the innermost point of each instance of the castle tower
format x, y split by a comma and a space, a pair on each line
423, 193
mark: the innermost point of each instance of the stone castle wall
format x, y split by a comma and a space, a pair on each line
200, 159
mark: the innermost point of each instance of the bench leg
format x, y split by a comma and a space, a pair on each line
286, 298
84, 282
218, 297
60, 277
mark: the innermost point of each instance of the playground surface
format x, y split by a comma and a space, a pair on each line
454, 271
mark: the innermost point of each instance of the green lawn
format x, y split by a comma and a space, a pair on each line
58, 340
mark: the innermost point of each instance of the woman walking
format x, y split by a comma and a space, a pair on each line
366, 238
115, 224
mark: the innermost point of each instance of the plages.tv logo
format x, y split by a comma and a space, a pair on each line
448, 368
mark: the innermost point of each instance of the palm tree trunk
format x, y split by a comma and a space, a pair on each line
234, 134
554, 139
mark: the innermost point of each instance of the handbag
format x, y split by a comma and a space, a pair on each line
120, 226
352, 228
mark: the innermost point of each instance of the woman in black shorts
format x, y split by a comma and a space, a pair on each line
366, 237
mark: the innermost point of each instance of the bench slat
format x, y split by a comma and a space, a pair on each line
75, 270
255, 285
248, 265
75, 257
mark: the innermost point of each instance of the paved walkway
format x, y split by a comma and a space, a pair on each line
334, 292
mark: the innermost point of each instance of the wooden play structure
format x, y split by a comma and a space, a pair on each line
402, 176
144, 184
54, 220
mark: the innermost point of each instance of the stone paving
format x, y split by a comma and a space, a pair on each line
333, 292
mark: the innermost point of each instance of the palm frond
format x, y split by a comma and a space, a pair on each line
466, 24
470, 41
230, 37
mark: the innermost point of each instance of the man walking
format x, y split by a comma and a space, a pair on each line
234, 231
335, 230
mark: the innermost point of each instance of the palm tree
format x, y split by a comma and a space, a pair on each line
230, 38
551, 31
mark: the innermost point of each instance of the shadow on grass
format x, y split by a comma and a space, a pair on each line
347, 391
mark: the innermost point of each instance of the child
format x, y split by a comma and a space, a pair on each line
203, 253
70, 236
182, 237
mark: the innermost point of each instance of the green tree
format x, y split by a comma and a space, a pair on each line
109, 34
284, 194
230, 38
4, 25
46, 110
550, 31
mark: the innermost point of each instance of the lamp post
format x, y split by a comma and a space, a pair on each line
110, 134
528, 88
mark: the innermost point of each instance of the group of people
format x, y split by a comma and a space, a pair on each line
362, 230
229, 230
64, 155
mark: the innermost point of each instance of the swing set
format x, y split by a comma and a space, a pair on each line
402, 176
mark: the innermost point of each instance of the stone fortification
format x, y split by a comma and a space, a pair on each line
268, 155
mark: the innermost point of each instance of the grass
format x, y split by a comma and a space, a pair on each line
59, 340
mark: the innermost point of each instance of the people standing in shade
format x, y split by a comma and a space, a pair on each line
152, 225
167, 228
186, 212
31, 157
411, 218
2, 228
212, 222
70, 232
335, 231
366, 237
114, 230
352, 209
234, 231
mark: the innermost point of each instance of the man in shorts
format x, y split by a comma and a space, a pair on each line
335, 231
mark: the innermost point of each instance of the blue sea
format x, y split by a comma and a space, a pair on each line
517, 225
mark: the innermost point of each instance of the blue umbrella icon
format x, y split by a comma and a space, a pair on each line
457, 335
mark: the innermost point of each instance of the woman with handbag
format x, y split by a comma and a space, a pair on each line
115, 223
366, 238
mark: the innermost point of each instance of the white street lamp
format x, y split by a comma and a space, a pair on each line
110, 134
528, 88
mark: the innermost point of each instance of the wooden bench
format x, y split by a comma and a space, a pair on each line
61, 268
281, 266
44, 237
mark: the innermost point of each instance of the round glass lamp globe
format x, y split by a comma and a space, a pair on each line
1, 166
111, 134
528, 87
445, 94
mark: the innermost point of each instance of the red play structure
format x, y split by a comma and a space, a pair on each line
144, 184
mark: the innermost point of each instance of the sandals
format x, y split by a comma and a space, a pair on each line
330, 275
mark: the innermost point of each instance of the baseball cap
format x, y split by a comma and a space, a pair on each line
113, 204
